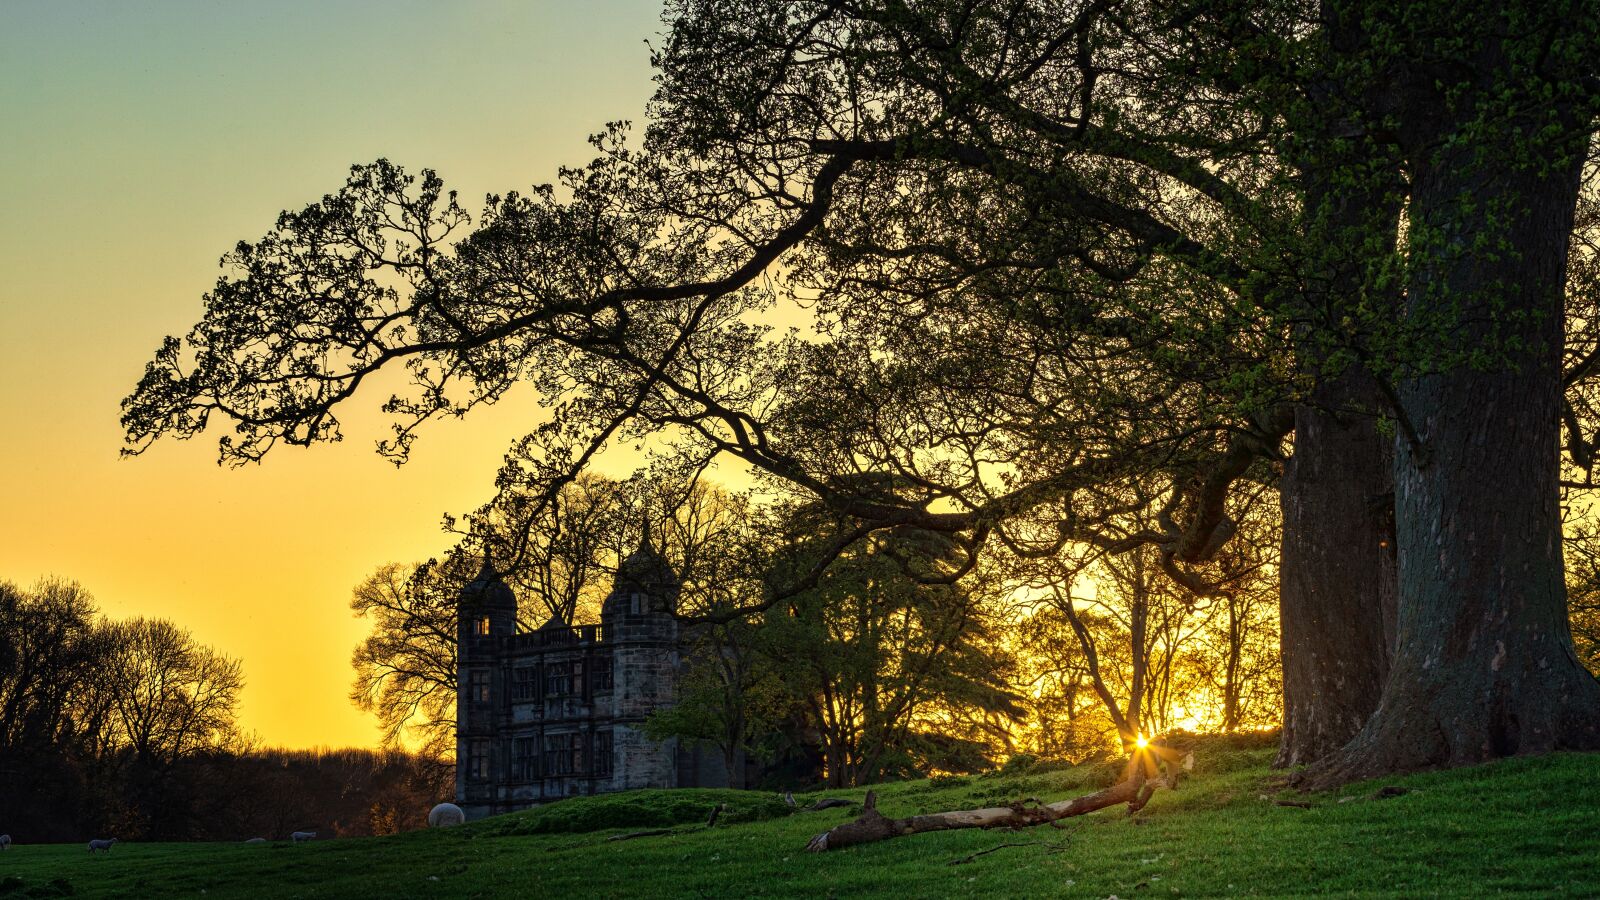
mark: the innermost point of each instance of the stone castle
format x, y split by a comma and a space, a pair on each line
560, 711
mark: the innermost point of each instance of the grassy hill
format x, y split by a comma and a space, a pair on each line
1528, 826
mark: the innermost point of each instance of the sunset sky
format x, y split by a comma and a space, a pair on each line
138, 143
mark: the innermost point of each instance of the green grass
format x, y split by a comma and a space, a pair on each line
1523, 826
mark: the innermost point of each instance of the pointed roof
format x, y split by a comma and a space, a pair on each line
487, 573
645, 566
488, 588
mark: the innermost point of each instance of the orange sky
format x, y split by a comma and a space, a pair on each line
138, 144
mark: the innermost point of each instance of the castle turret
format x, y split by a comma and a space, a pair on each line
644, 595
638, 619
487, 609
486, 619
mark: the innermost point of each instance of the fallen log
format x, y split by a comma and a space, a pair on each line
871, 826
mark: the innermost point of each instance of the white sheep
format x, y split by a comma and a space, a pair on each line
5, 842
256, 841
299, 836
101, 844
445, 815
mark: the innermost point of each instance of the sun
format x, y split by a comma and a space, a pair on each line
1141, 742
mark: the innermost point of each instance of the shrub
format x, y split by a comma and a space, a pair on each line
1056, 764
1018, 764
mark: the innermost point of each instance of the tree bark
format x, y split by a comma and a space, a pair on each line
1337, 570
1337, 573
1484, 664
1338, 583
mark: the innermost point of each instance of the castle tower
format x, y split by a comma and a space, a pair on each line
638, 621
486, 620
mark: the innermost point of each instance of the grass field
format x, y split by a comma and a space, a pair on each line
1525, 826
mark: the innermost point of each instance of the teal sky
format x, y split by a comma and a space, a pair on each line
138, 142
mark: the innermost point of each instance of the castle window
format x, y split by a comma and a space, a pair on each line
478, 760
602, 753
637, 602
563, 754
557, 679
481, 626
524, 683
478, 685
524, 759
601, 676
563, 679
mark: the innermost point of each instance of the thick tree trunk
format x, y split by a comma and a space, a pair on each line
1337, 570
1484, 663
1337, 577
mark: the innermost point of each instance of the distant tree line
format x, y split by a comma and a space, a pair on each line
130, 728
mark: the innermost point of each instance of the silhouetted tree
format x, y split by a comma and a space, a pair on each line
55, 728
173, 702
1118, 649
49, 651
406, 665
883, 663
560, 553
106, 723
173, 697
1237, 652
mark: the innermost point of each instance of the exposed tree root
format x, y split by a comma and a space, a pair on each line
1476, 714
1135, 790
